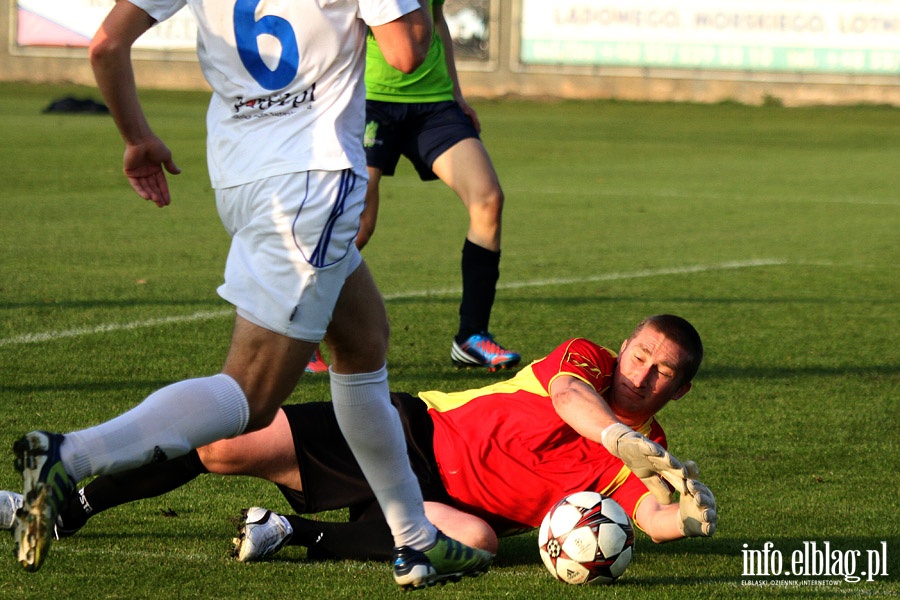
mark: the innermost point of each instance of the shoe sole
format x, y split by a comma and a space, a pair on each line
463, 360
238, 543
491, 368
442, 579
34, 533
34, 526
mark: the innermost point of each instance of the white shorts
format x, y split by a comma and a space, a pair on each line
292, 248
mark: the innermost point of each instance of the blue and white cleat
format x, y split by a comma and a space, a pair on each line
481, 350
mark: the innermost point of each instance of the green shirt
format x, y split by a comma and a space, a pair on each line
429, 83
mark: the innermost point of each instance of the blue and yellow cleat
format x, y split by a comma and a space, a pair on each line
446, 560
47, 485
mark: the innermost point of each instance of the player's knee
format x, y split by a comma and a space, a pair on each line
488, 209
463, 527
494, 198
365, 352
497, 199
362, 359
222, 458
486, 539
479, 536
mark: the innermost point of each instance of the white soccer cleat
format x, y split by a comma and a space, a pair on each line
262, 534
10, 503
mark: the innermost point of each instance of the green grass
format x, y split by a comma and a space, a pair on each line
775, 231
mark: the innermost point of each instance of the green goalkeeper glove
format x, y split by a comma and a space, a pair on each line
646, 459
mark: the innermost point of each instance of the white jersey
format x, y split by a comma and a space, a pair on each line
287, 80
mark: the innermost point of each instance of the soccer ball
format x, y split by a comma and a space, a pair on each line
586, 538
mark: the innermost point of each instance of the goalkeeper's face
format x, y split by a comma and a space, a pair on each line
647, 376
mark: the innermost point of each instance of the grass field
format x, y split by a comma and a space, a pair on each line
774, 230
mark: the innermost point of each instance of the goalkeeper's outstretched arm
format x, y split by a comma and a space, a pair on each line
588, 413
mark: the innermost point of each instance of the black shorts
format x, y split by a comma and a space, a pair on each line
331, 476
420, 132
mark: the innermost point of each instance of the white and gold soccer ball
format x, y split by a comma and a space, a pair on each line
586, 538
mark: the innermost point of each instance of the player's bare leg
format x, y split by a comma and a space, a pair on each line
467, 169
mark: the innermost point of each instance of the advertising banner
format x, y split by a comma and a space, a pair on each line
837, 36
72, 23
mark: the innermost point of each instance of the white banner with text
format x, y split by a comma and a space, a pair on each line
829, 36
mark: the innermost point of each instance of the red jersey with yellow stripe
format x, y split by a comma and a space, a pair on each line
505, 454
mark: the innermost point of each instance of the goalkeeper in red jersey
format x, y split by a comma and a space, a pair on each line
490, 461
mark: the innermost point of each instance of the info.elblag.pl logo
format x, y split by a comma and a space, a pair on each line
815, 559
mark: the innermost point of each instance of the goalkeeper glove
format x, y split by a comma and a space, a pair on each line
696, 507
646, 459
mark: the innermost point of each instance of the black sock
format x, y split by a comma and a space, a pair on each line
148, 481
480, 272
359, 540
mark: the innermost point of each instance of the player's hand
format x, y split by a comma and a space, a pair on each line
697, 510
143, 166
646, 459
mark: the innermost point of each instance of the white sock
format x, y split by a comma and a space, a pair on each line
372, 427
168, 423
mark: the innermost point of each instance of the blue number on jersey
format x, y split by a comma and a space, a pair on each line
247, 31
